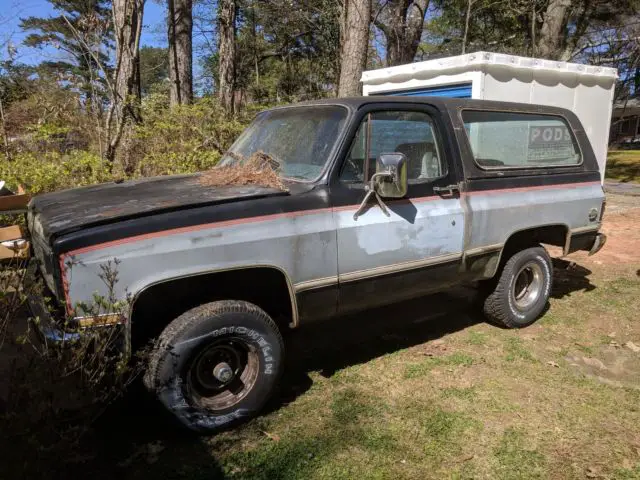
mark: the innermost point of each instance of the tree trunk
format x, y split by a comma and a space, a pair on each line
401, 22
226, 53
553, 32
4, 132
467, 18
354, 43
180, 52
124, 108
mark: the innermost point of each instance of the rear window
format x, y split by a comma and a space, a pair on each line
502, 140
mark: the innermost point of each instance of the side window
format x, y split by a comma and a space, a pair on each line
411, 133
502, 140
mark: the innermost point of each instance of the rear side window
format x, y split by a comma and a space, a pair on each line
501, 140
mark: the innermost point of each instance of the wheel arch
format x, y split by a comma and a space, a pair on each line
248, 282
551, 234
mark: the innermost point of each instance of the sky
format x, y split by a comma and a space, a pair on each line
11, 11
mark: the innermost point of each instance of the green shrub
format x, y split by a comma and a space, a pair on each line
181, 139
177, 140
51, 171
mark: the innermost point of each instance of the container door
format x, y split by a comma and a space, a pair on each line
461, 90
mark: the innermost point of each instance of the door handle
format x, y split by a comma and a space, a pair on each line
448, 190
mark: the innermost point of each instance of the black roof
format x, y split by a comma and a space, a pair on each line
441, 103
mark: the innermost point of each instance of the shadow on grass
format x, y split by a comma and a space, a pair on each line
569, 277
326, 347
623, 171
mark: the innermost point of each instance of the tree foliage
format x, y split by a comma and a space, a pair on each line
83, 32
154, 70
272, 52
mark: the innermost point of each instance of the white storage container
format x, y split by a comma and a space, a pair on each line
586, 90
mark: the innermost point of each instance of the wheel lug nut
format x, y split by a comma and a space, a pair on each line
222, 372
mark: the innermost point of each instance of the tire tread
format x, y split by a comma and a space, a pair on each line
496, 307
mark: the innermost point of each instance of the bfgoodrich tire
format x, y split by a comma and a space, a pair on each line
216, 364
522, 290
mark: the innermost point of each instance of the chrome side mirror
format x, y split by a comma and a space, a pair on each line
390, 179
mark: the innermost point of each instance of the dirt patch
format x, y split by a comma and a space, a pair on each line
623, 241
614, 365
259, 169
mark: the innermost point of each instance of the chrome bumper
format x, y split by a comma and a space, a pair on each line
599, 242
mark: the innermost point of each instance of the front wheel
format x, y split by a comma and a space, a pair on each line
216, 364
522, 290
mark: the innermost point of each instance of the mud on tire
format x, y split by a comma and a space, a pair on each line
522, 289
216, 365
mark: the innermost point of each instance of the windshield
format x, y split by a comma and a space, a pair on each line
298, 139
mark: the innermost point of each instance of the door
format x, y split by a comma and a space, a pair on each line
418, 247
460, 90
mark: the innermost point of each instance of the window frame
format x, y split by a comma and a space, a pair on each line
438, 143
563, 118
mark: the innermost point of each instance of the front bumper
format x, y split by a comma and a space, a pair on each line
598, 243
49, 330
59, 331
46, 326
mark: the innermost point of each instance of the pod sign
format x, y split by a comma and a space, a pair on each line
550, 144
544, 135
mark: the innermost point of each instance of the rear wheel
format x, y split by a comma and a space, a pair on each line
522, 289
216, 364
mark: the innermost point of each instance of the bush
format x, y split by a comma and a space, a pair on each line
50, 171
182, 139
51, 397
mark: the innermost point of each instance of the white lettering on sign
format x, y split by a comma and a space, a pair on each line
547, 134
549, 143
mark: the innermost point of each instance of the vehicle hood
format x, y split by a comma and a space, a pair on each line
70, 210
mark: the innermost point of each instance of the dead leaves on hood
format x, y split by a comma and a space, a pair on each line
259, 169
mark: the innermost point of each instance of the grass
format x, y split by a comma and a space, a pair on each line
515, 460
416, 370
623, 166
483, 402
515, 350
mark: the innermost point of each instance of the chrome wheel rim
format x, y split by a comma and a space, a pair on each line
527, 286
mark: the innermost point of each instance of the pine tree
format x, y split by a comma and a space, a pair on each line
83, 31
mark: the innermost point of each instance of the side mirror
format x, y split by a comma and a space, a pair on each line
391, 175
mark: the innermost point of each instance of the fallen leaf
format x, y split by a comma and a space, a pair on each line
273, 436
592, 472
614, 344
633, 347
553, 364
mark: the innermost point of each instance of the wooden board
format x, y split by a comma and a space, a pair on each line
14, 232
14, 203
8, 253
